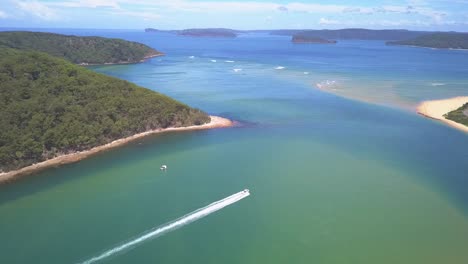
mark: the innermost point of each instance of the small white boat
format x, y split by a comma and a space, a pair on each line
163, 167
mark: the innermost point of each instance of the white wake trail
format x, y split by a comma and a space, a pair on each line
184, 220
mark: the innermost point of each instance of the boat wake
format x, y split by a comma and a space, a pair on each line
180, 222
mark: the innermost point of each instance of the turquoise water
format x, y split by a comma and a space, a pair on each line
332, 179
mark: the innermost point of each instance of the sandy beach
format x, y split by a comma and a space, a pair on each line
216, 122
123, 63
438, 108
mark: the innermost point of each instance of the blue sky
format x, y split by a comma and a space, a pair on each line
237, 14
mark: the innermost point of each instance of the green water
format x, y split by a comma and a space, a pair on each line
310, 201
332, 180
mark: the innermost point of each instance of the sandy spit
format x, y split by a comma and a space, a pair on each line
438, 108
216, 122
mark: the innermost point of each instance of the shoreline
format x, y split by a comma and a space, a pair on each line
433, 109
85, 64
5, 177
432, 48
436, 109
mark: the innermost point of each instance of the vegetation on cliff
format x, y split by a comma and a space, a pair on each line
49, 106
79, 50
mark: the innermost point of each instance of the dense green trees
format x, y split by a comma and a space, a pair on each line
354, 33
460, 115
49, 106
86, 50
304, 38
441, 40
208, 32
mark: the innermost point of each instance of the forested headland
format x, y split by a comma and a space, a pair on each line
79, 50
440, 40
50, 107
353, 33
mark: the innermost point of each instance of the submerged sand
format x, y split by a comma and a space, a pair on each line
216, 122
438, 108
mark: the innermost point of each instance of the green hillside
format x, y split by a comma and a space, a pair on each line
353, 33
49, 106
208, 32
441, 40
460, 115
311, 39
79, 50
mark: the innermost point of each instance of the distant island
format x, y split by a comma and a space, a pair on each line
302, 38
154, 30
209, 32
200, 32
353, 33
453, 111
440, 40
79, 50
452, 40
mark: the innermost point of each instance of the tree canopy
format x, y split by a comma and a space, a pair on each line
49, 106
353, 33
441, 40
460, 115
79, 50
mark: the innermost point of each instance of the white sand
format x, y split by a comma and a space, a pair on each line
216, 122
438, 108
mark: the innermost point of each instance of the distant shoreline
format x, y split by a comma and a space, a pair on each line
122, 63
5, 177
426, 47
436, 109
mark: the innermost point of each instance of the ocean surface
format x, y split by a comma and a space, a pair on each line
347, 173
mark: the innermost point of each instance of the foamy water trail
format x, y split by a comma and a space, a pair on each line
180, 222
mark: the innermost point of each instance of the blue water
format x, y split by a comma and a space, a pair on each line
346, 174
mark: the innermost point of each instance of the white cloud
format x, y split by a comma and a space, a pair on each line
88, 3
315, 8
283, 9
206, 6
147, 16
359, 10
326, 21
3, 14
37, 9
412, 10
414, 6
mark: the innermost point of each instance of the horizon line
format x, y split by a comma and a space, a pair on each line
277, 29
